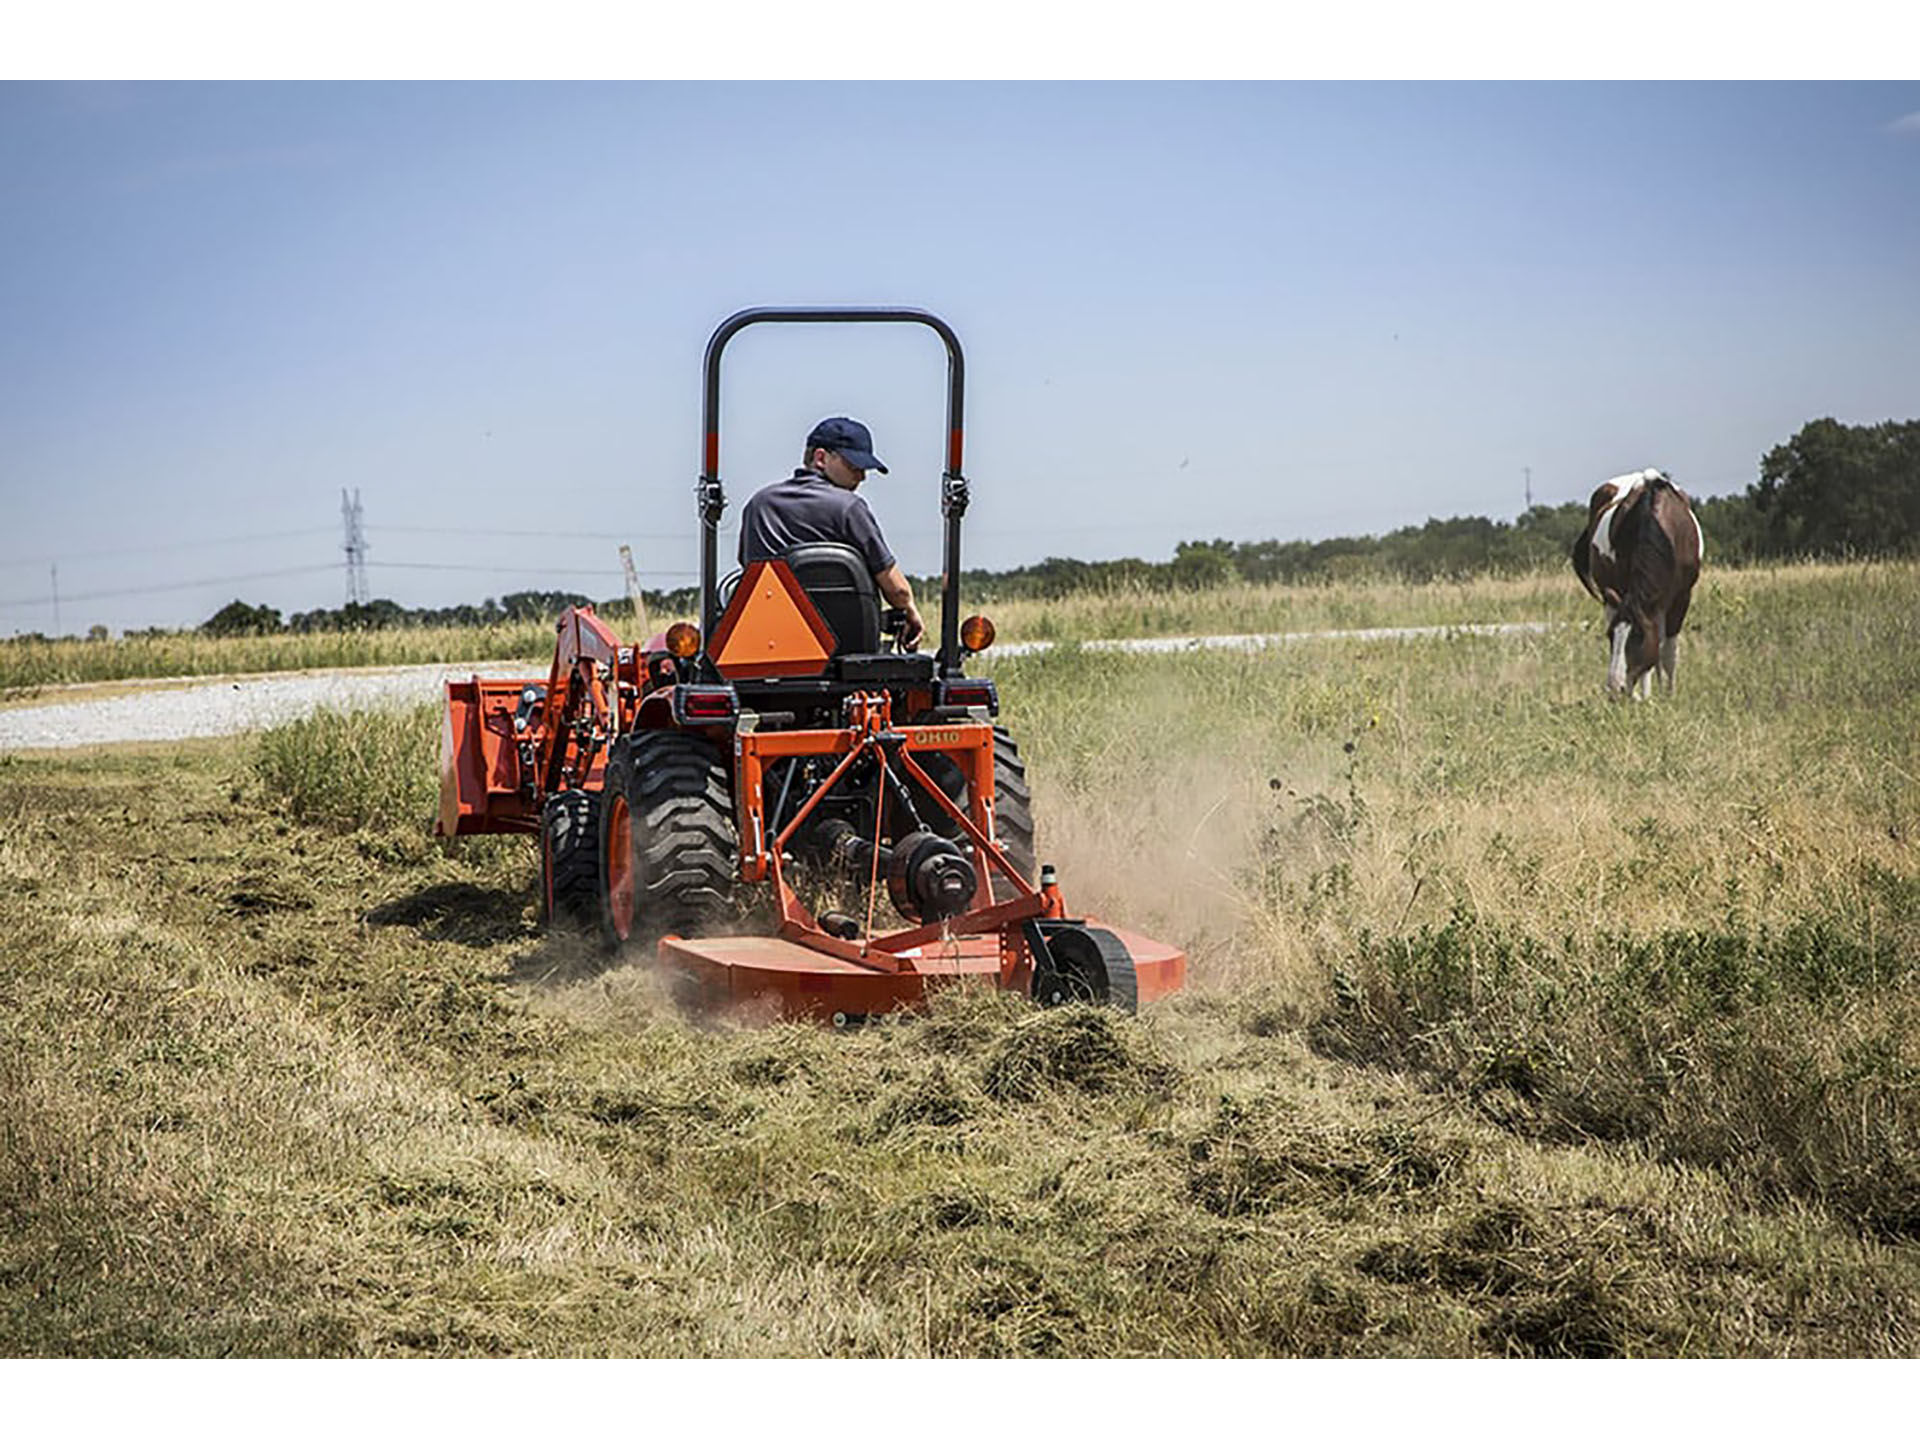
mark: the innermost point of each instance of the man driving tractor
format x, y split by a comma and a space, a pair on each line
819, 501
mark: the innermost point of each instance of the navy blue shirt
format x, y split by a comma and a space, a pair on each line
807, 507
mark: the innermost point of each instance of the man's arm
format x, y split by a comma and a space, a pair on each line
899, 594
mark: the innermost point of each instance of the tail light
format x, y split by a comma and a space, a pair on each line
968, 693
704, 704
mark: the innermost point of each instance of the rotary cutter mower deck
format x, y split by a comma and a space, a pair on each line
786, 742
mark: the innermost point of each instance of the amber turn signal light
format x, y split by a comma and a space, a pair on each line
683, 640
976, 633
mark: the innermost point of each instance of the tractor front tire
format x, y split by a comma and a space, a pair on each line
570, 861
668, 851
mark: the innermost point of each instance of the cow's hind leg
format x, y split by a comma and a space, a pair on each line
1675, 617
1663, 655
1643, 680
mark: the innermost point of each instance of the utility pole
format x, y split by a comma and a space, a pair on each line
356, 548
1528, 471
634, 597
55, 570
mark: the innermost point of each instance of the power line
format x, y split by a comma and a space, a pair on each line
503, 570
65, 598
174, 585
177, 545
600, 535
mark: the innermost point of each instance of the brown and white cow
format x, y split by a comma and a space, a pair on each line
1640, 556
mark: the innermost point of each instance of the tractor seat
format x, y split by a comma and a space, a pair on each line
836, 580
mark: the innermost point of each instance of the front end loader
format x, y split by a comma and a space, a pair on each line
788, 748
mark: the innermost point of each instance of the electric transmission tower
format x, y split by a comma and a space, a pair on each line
356, 548
634, 597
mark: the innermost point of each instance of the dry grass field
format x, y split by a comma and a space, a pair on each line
28, 666
31, 665
1520, 1023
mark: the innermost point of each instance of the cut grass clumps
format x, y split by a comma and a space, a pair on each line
1545, 1288
935, 1097
1266, 1155
1075, 1047
355, 769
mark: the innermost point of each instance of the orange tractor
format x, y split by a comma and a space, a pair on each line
789, 735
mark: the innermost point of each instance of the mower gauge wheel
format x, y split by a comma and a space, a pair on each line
1088, 965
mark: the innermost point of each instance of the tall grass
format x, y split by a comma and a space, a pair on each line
1129, 611
1694, 923
362, 768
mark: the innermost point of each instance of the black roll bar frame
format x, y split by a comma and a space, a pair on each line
953, 483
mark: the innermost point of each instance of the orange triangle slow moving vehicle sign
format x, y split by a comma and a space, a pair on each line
770, 627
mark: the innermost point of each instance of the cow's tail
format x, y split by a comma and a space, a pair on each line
1653, 555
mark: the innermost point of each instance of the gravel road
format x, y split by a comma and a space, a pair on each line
63, 718
67, 717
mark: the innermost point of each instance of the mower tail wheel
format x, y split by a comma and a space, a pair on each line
1086, 964
668, 852
569, 860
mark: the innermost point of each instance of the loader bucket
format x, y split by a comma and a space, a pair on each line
480, 789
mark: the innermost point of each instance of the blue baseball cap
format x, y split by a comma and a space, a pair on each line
851, 440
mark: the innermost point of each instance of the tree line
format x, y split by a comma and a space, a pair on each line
1831, 491
240, 618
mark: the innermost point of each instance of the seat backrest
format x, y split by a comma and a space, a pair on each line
836, 579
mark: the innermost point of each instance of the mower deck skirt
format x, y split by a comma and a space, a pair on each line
761, 977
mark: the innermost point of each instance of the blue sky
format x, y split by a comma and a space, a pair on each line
1190, 310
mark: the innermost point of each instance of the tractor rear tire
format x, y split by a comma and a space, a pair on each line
669, 849
1012, 808
570, 861
1012, 813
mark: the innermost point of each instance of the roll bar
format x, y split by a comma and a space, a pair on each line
953, 484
